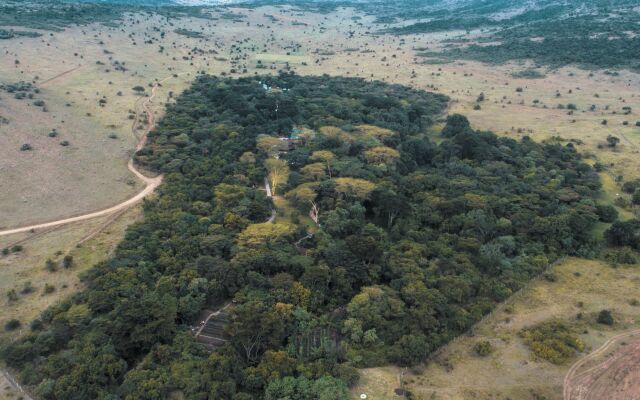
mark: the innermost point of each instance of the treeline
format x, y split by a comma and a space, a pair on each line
416, 241
55, 15
602, 35
555, 52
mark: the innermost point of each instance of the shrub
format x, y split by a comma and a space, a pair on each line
64, 143
27, 288
26, 147
605, 318
550, 277
606, 213
48, 288
36, 325
622, 255
50, 265
67, 261
12, 295
553, 341
483, 348
12, 325
17, 248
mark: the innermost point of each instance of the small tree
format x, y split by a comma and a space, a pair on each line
51, 266
605, 318
67, 261
612, 141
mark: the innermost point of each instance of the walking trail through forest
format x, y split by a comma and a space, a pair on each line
151, 183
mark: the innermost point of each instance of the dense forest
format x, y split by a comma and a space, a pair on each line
392, 243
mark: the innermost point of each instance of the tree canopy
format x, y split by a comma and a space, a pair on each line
415, 241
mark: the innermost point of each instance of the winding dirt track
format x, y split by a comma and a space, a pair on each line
151, 183
617, 377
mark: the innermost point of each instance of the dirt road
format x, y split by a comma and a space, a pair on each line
151, 183
615, 377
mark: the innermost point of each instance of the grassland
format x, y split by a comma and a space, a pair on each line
581, 287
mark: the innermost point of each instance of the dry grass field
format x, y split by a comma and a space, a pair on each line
78, 67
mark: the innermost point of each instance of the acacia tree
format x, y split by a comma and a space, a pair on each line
354, 187
326, 157
278, 171
381, 155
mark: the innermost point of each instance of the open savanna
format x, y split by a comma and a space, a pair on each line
511, 371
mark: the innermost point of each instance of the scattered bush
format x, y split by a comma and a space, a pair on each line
483, 348
605, 318
67, 261
12, 325
51, 265
12, 295
26, 147
26, 288
48, 288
